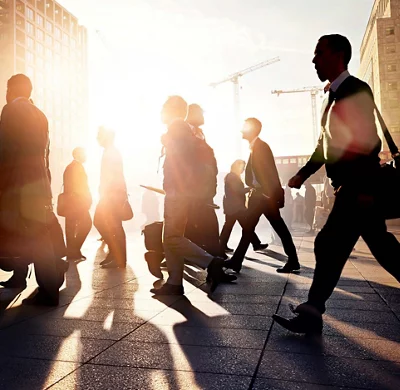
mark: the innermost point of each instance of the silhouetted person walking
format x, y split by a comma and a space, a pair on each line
113, 195
181, 167
299, 208
77, 221
288, 210
202, 227
349, 147
235, 206
310, 200
25, 193
267, 197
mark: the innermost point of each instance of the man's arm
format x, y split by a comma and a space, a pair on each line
316, 161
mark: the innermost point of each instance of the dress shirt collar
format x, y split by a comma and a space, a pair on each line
339, 80
251, 145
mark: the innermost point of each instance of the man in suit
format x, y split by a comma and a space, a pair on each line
113, 194
267, 197
78, 221
349, 148
26, 214
235, 206
181, 166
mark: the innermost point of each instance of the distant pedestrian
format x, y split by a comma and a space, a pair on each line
235, 206
310, 202
77, 221
113, 195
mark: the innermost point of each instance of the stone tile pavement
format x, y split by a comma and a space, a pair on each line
109, 333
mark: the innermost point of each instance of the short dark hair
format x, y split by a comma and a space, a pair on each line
195, 115
339, 44
176, 106
255, 124
237, 162
21, 85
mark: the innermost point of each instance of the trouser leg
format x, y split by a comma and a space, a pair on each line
278, 224
177, 247
83, 228
226, 231
333, 246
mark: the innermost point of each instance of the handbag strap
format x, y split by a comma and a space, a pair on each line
394, 150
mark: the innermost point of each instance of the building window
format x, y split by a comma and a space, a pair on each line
30, 72
39, 63
40, 5
49, 54
49, 26
393, 103
30, 14
30, 57
39, 48
65, 39
394, 129
392, 86
390, 49
57, 32
73, 43
57, 46
49, 40
30, 29
65, 51
21, 8
392, 68
20, 22
389, 31
39, 35
39, 20
31, 43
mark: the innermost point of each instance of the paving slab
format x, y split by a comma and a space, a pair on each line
96, 377
181, 357
110, 332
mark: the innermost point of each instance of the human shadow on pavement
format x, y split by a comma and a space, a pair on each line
43, 350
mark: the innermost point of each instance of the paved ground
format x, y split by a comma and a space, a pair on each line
109, 333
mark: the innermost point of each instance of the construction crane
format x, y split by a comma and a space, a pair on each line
234, 78
314, 91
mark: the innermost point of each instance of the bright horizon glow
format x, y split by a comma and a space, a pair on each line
151, 50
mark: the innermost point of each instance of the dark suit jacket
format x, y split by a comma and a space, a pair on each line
24, 174
262, 164
235, 194
349, 145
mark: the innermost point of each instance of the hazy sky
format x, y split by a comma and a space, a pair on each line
162, 47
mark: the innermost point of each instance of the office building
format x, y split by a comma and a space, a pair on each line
43, 40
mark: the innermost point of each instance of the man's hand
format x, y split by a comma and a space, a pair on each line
296, 182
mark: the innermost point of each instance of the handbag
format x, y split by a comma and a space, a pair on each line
389, 181
63, 203
153, 237
126, 212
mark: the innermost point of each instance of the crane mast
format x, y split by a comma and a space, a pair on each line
234, 79
314, 91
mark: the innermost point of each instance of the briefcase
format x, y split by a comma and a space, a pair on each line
389, 183
153, 237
